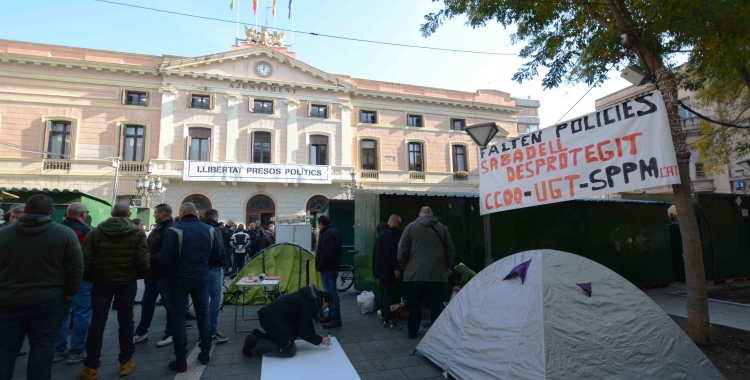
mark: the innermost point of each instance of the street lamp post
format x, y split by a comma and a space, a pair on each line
482, 134
350, 187
149, 185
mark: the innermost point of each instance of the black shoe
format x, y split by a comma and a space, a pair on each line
179, 367
249, 347
257, 333
188, 326
190, 316
233, 276
22, 355
324, 319
136, 302
204, 360
413, 336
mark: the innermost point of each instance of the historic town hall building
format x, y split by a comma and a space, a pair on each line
241, 131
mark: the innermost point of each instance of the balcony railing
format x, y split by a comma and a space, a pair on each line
691, 124
133, 167
369, 174
56, 165
460, 176
417, 175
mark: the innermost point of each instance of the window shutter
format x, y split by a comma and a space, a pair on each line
209, 150
187, 147
124, 96
148, 98
47, 128
211, 101
309, 109
189, 98
251, 105
328, 111
377, 159
273, 107
121, 152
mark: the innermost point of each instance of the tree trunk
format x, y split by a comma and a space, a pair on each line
744, 74
699, 328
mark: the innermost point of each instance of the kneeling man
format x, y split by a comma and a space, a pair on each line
284, 320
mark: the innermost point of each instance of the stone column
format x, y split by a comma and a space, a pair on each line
292, 140
234, 101
346, 135
166, 127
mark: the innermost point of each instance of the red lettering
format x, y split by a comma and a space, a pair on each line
485, 169
559, 146
517, 156
570, 180
542, 150
555, 193
511, 174
563, 159
517, 195
505, 159
539, 163
508, 197
604, 155
631, 138
618, 142
590, 154
497, 204
544, 192
519, 175
551, 163
530, 152
487, 201
529, 171
493, 163
575, 155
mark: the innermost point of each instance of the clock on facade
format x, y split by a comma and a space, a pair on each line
263, 69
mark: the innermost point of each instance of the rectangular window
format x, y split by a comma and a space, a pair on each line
413, 120
135, 98
415, 157
684, 114
318, 150
200, 102
262, 147
459, 158
369, 154
532, 128
369, 117
458, 124
199, 144
58, 146
319, 111
263, 106
132, 147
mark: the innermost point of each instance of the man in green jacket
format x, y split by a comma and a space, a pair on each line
426, 253
40, 268
115, 255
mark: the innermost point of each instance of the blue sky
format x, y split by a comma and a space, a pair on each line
97, 25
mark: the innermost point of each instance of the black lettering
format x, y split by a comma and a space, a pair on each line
652, 168
481, 151
643, 100
493, 149
513, 143
593, 180
560, 128
607, 120
523, 141
505, 149
231, 85
598, 120
586, 125
626, 110
611, 172
573, 126
536, 137
628, 168
617, 109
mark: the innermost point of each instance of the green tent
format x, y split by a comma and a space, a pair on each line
287, 260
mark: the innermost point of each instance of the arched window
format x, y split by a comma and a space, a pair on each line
260, 207
316, 203
201, 202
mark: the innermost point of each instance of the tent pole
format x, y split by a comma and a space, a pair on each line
487, 241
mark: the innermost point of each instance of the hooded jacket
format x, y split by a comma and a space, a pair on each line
155, 239
385, 254
40, 261
424, 253
114, 252
328, 250
293, 315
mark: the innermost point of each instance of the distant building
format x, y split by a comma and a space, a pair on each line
65, 113
734, 180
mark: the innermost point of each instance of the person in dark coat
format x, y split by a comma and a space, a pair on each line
327, 263
385, 266
157, 281
284, 320
215, 279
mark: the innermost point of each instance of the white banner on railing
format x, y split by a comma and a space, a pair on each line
624, 147
250, 172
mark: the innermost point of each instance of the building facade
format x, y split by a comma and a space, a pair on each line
70, 116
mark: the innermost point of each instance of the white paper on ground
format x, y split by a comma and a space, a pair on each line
311, 362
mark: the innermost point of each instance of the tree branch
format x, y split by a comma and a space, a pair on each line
744, 74
618, 16
596, 15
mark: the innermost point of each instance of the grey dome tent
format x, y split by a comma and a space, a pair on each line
547, 314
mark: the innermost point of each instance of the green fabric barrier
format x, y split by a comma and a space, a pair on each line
284, 259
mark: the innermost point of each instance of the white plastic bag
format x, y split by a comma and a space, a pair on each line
366, 302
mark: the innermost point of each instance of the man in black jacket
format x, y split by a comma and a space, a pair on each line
226, 234
327, 263
284, 320
215, 279
385, 266
157, 281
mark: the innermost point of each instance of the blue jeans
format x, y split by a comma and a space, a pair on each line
40, 322
154, 287
197, 289
102, 297
215, 282
80, 307
329, 286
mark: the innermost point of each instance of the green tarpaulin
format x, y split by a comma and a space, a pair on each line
288, 260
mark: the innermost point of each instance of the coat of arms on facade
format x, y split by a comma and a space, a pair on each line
264, 37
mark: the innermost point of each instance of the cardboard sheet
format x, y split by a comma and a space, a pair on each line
310, 362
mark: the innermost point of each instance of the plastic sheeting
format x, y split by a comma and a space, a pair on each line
549, 328
287, 260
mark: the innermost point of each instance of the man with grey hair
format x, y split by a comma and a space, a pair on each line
426, 253
115, 255
80, 306
16, 211
188, 250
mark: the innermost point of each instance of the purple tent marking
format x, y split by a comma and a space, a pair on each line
519, 270
586, 287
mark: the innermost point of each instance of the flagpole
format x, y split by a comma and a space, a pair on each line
237, 30
292, 5
274, 15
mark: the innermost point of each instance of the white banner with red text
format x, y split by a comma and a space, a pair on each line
251, 172
625, 147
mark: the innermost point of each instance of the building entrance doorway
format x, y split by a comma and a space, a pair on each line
260, 207
201, 203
